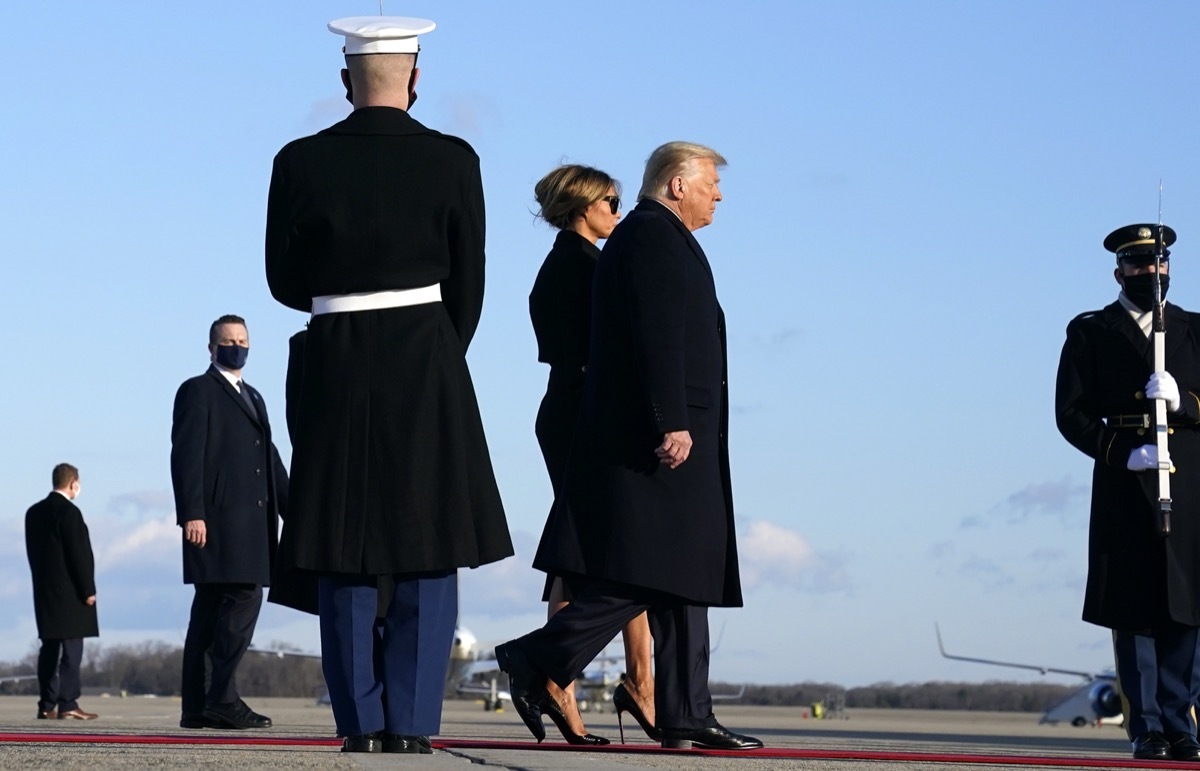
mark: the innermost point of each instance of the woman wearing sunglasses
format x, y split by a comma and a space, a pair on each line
583, 203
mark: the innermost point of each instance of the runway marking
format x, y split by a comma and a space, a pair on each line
481, 744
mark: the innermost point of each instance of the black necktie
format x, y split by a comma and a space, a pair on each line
249, 400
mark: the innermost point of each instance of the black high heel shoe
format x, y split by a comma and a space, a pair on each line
550, 707
526, 686
623, 701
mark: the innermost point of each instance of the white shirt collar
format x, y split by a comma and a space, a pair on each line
232, 378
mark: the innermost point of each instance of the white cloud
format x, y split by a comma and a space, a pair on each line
771, 554
154, 541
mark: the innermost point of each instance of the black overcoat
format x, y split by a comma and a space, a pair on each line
390, 464
226, 471
560, 307
1136, 578
60, 559
657, 363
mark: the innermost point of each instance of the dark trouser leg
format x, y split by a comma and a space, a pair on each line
348, 606
69, 685
1178, 677
577, 633
47, 672
418, 632
681, 695
1137, 670
237, 615
195, 647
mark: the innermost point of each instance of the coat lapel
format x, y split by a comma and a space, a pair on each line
232, 393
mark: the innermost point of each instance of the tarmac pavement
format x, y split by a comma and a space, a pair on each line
865, 731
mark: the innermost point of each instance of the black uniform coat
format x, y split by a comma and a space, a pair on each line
560, 307
1136, 578
657, 363
60, 559
391, 467
226, 471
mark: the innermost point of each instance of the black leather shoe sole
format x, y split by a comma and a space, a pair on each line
411, 745
364, 743
707, 738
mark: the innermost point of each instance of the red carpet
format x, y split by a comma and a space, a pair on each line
242, 740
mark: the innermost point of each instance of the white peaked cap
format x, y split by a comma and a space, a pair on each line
381, 34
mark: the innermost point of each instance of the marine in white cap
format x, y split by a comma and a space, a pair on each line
375, 227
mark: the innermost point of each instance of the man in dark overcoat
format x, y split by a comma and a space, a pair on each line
64, 593
230, 489
648, 515
1142, 585
375, 226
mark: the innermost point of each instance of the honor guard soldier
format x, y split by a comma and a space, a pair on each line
1143, 569
375, 226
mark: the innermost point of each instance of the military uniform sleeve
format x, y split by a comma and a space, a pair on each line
77, 551
1079, 420
462, 291
283, 274
189, 432
656, 292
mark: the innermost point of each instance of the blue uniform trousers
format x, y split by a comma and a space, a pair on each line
386, 668
1159, 672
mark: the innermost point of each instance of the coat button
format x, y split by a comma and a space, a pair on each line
258, 472
1170, 431
260, 504
257, 443
1141, 432
1139, 395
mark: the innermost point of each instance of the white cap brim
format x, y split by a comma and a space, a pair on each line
381, 34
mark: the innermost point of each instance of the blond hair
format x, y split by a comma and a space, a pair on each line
674, 159
568, 190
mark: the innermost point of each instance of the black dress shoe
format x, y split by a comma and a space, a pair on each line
526, 686
413, 745
197, 720
236, 715
363, 743
712, 738
1151, 746
1183, 746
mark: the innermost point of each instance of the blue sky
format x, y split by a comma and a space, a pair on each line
914, 207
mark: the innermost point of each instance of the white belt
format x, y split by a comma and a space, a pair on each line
373, 301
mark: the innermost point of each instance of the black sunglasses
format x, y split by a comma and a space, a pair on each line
614, 202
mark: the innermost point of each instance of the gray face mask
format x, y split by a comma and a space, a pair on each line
1140, 289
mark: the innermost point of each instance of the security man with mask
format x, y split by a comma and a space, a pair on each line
230, 489
1142, 584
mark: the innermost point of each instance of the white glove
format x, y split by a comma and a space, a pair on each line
1162, 386
1145, 458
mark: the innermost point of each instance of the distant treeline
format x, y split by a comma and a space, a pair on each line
155, 667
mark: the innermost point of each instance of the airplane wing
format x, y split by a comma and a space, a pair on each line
16, 678
1033, 667
741, 691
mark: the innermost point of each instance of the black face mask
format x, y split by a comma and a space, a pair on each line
232, 356
1140, 289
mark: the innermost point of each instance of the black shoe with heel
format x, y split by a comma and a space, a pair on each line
623, 701
526, 686
550, 707
715, 737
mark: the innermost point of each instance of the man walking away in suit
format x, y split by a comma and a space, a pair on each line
645, 516
230, 489
64, 593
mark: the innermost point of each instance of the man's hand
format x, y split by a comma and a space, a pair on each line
675, 447
91, 600
1145, 458
1162, 386
195, 532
